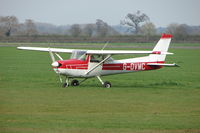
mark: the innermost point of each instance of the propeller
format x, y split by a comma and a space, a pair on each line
55, 64
51, 55
59, 56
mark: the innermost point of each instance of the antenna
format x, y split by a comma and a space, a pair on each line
105, 46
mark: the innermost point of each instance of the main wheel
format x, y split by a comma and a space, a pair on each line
65, 85
107, 84
75, 83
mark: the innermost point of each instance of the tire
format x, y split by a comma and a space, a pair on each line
107, 84
65, 85
75, 83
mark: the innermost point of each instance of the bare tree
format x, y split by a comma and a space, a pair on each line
102, 28
148, 29
30, 27
133, 20
172, 28
9, 25
75, 30
89, 30
2, 32
180, 31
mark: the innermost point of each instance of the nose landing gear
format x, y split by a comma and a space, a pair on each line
73, 82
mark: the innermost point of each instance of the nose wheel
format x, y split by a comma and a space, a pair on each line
73, 82
65, 85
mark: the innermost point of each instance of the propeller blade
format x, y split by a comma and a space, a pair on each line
51, 55
59, 56
55, 63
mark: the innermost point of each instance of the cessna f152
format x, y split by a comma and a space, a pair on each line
96, 63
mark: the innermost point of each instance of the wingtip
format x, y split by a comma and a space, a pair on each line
19, 48
176, 65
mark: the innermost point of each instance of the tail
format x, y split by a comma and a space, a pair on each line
161, 47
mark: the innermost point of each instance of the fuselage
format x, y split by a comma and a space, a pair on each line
79, 68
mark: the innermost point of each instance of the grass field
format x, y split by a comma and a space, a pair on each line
32, 99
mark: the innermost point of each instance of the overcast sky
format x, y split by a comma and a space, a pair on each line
63, 12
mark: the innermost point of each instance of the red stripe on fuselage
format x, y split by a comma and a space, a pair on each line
74, 64
77, 66
139, 66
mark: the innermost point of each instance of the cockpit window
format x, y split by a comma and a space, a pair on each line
79, 55
99, 58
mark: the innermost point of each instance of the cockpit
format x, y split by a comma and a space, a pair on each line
99, 58
81, 55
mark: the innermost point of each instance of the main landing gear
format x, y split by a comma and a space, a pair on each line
75, 82
105, 84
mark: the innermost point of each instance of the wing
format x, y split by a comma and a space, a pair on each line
114, 52
101, 52
56, 50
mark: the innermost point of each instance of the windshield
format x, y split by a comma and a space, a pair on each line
79, 55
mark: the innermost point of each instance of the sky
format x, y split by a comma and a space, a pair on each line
67, 12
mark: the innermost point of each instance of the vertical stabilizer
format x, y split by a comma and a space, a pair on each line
161, 46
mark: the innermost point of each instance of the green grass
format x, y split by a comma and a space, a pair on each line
32, 99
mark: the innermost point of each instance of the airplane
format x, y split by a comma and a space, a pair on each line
96, 63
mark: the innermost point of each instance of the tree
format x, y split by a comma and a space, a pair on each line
1, 31
102, 28
172, 28
133, 20
9, 25
89, 30
75, 30
148, 29
30, 27
180, 31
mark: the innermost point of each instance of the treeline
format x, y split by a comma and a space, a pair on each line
10, 26
135, 27
82, 39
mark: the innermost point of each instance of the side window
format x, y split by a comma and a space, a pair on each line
99, 58
96, 58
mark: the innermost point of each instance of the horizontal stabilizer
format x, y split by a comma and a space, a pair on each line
162, 64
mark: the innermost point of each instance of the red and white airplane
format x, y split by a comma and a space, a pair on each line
96, 63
